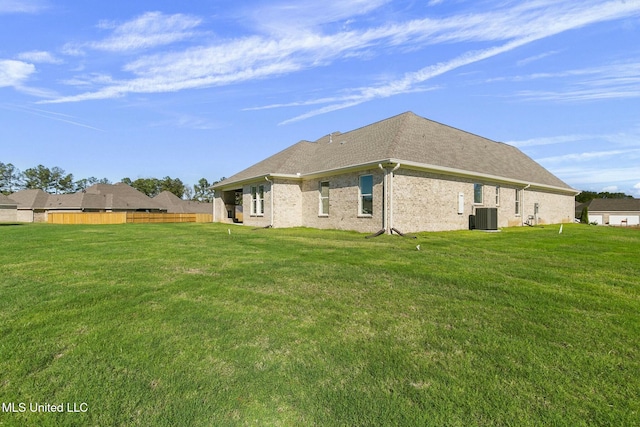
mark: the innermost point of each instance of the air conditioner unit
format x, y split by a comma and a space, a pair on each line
486, 219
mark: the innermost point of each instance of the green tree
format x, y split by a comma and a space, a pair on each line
10, 178
587, 196
173, 185
84, 183
584, 215
38, 178
202, 191
61, 182
148, 186
154, 186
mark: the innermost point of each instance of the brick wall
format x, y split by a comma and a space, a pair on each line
422, 201
343, 203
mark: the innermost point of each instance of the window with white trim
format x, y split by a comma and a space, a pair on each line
324, 198
517, 202
257, 200
497, 195
366, 195
477, 194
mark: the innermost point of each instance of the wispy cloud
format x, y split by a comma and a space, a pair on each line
22, 6
14, 73
534, 58
50, 115
593, 155
560, 139
188, 121
149, 30
284, 17
629, 138
526, 28
620, 80
294, 48
596, 174
39, 57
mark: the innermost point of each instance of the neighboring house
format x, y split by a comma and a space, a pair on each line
34, 205
405, 173
174, 204
614, 211
8, 209
31, 205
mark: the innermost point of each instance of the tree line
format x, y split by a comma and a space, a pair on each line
56, 180
587, 196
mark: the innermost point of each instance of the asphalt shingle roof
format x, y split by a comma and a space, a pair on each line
30, 199
99, 196
405, 138
174, 204
5, 201
614, 205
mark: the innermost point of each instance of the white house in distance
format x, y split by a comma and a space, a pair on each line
402, 174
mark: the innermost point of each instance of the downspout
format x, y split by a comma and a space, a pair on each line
391, 195
271, 202
385, 217
522, 201
214, 205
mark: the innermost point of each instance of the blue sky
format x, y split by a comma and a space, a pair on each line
205, 89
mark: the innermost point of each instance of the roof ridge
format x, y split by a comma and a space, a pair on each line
402, 127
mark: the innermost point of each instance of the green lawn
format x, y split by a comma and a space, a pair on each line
186, 324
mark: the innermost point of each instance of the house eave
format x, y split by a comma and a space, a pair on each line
391, 162
257, 178
486, 177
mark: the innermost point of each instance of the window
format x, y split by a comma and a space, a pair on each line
324, 198
477, 194
366, 195
498, 195
517, 202
257, 200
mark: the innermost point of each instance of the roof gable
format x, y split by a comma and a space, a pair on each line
30, 199
404, 138
7, 202
122, 196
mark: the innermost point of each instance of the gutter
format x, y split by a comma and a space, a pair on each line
409, 165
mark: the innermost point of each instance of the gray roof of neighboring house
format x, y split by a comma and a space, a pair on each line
30, 199
97, 197
118, 196
408, 139
174, 204
614, 205
7, 202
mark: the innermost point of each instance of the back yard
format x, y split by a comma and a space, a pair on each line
202, 324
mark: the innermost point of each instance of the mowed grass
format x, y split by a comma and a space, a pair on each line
186, 324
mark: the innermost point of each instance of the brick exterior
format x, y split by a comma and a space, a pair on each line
343, 203
419, 200
8, 214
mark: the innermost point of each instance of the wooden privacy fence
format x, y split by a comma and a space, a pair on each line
124, 217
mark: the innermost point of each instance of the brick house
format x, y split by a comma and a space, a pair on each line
8, 209
405, 173
35, 205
